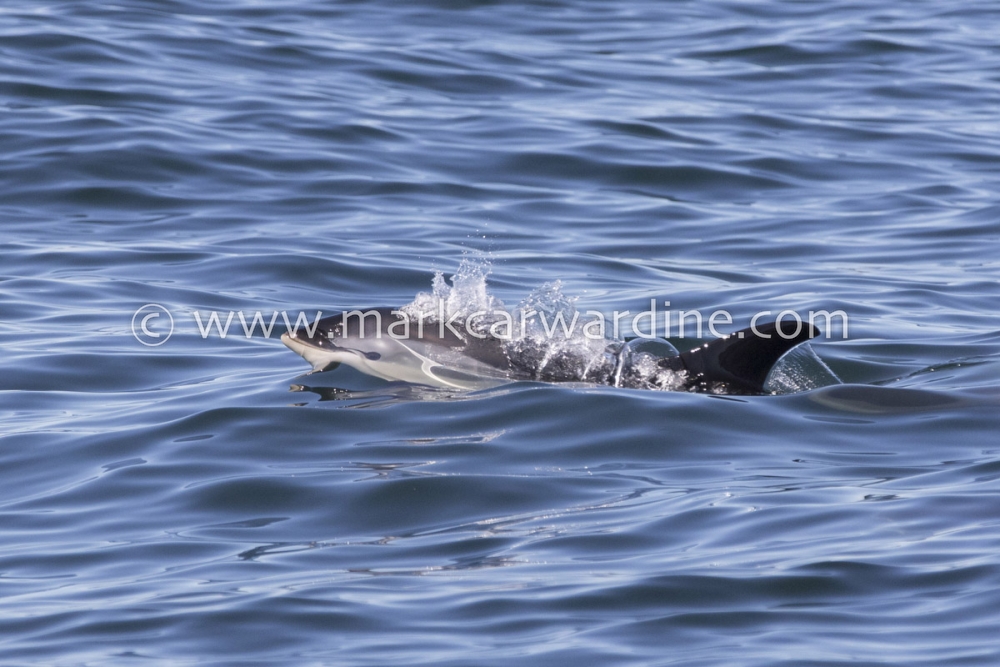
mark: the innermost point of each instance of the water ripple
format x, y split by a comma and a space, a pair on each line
203, 501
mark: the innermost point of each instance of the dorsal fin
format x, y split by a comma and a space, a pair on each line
742, 360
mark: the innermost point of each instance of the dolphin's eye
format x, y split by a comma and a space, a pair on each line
374, 356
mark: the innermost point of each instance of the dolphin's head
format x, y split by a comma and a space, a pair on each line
380, 342
342, 339
317, 348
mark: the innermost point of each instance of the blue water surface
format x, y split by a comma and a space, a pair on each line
201, 501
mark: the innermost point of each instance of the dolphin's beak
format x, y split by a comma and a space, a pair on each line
318, 357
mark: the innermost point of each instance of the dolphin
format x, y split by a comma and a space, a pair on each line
385, 343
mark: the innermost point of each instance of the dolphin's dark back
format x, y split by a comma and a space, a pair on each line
741, 361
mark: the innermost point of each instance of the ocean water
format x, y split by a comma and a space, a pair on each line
203, 501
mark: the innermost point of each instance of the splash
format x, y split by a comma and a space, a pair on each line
545, 337
639, 366
552, 342
466, 296
800, 370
